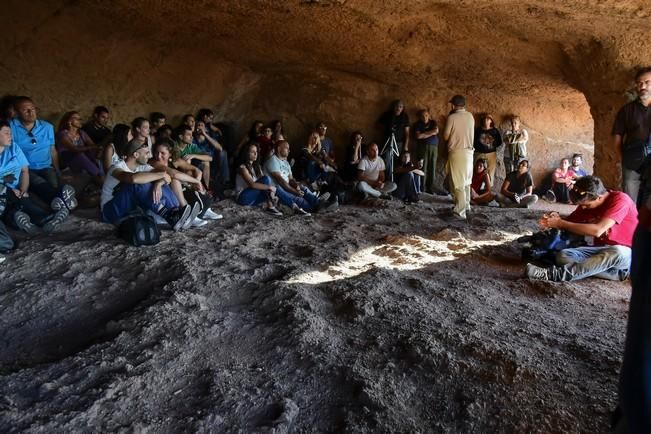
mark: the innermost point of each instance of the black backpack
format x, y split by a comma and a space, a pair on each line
139, 230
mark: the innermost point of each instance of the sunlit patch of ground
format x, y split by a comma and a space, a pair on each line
405, 252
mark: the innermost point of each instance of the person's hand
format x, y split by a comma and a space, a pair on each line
516, 198
551, 220
188, 157
271, 188
18, 193
167, 179
157, 192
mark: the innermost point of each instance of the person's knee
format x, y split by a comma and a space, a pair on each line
620, 256
564, 257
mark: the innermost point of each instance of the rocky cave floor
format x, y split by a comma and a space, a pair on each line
354, 320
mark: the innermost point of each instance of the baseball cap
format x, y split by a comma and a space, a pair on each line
135, 145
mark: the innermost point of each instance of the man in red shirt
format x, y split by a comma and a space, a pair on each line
607, 219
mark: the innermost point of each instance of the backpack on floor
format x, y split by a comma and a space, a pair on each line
139, 230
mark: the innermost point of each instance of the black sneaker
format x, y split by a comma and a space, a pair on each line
59, 217
24, 223
177, 217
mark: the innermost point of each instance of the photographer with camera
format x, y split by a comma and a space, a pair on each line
607, 220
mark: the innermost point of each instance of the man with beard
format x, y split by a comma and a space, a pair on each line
632, 134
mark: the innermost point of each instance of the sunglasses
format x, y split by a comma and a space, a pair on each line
30, 134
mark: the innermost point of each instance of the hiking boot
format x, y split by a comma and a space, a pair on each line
24, 223
212, 215
57, 204
194, 212
176, 217
59, 217
324, 197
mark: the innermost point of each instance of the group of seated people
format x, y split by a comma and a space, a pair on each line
168, 172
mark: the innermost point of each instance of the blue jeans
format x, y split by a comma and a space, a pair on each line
251, 196
635, 381
606, 262
132, 196
308, 202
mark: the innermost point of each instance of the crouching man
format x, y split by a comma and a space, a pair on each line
133, 184
607, 219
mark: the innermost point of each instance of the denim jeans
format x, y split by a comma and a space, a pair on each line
308, 202
132, 196
251, 196
635, 381
605, 262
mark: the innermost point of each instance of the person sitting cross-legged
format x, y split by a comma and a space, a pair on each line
481, 187
35, 137
133, 184
409, 177
517, 189
191, 153
252, 187
607, 219
19, 208
290, 192
186, 181
563, 180
370, 175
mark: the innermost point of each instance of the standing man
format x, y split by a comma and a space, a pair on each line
35, 138
427, 146
460, 133
632, 134
97, 128
395, 122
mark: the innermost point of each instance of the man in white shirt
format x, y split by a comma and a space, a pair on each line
370, 175
132, 184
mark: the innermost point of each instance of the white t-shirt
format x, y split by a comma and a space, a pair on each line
275, 164
371, 168
110, 182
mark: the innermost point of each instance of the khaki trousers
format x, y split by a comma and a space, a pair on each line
460, 164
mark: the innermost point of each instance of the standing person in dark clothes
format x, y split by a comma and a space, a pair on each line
487, 140
394, 122
632, 134
427, 145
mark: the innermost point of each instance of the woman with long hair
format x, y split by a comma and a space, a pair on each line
116, 147
251, 186
76, 148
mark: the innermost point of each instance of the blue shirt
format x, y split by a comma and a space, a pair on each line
275, 164
327, 145
12, 161
37, 147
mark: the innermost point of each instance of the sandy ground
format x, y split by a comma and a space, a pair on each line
354, 320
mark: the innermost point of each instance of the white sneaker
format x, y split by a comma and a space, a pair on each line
197, 222
212, 215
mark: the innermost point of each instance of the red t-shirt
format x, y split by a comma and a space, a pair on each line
618, 206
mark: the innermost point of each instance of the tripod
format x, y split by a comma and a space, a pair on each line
389, 150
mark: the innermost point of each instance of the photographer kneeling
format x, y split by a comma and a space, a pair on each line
607, 220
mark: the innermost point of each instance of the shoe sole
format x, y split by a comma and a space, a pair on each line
194, 212
184, 217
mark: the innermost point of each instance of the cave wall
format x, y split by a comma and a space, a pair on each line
74, 58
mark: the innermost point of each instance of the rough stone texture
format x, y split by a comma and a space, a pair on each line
558, 65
